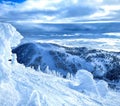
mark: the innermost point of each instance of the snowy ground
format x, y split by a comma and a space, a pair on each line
27, 87
20, 86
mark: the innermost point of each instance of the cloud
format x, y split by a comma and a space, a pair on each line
58, 10
111, 2
77, 11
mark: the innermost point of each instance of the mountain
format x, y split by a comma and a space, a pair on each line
102, 64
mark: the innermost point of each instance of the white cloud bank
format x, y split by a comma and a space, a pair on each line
60, 11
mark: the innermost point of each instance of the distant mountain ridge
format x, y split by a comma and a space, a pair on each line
101, 64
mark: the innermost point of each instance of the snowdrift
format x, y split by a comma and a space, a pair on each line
21, 86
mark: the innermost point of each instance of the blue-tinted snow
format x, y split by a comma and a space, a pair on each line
24, 86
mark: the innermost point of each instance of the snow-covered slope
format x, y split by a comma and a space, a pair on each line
21, 86
9, 37
65, 60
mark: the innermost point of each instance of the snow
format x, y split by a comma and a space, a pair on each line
21, 86
86, 82
102, 87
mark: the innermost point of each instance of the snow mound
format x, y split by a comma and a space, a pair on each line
102, 87
86, 84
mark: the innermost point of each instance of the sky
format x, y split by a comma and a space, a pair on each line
59, 11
